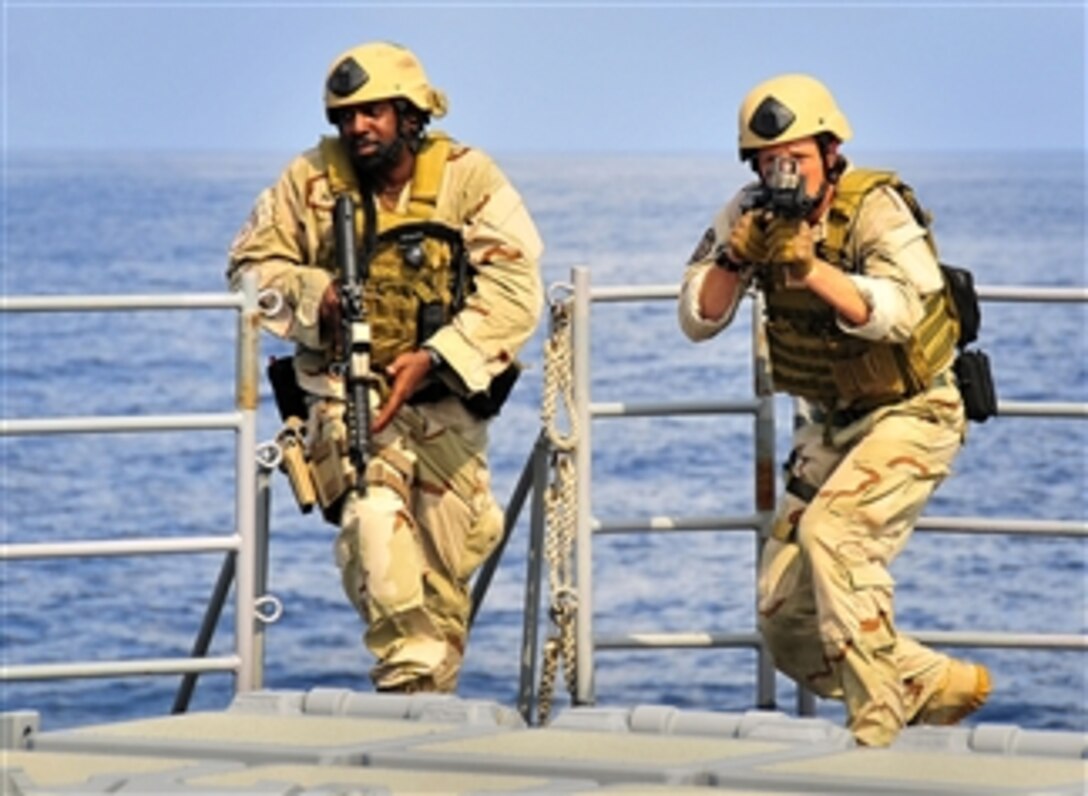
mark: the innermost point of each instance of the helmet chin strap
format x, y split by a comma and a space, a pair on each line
411, 124
810, 204
831, 173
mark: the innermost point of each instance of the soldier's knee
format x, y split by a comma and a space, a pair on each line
378, 553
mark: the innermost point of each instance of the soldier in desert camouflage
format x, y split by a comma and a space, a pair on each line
862, 330
445, 330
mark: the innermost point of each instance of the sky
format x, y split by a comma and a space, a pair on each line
544, 77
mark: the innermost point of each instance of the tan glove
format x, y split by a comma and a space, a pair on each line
790, 243
748, 240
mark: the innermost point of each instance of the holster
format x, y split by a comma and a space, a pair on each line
321, 475
293, 462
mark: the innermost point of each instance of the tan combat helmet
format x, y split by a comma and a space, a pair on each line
378, 71
786, 108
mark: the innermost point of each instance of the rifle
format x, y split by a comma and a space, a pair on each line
781, 193
354, 362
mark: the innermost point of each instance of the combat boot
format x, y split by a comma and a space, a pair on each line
963, 690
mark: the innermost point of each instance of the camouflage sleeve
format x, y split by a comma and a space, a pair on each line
716, 237
502, 312
898, 267
282, 242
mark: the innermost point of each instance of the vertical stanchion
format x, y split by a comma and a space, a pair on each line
260, 580
580, 336
764, 481
249, 329
534, 566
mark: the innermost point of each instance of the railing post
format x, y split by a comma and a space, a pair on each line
580, 336
260, 564
764, 483
249, 328
534, 567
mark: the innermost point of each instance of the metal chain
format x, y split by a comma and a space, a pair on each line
560, 513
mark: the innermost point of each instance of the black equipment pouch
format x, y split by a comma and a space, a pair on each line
290, 398
972, 368
487, 404
962, 286
483, 405
976, 385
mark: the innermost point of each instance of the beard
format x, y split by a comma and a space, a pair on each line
371, 167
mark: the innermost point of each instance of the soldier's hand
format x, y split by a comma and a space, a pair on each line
748, 240
790, 242
329, 322
406, 373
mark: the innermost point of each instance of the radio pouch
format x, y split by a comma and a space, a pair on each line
976, 383
972, 368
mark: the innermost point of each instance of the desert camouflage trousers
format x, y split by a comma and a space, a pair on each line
407, 549
825, 593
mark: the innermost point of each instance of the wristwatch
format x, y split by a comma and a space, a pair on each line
436, 359
723, 261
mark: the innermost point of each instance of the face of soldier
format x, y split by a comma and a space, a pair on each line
805, 153
370, 135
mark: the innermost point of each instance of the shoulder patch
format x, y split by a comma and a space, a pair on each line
259, 217
704, 247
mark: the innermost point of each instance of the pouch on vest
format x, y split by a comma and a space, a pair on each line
962, 286
972, 368
482, 405
488, 403
976, 385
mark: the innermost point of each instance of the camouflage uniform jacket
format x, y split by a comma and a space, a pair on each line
288, 241
898, 269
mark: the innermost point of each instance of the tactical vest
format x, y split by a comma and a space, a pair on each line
415, 268
813, 358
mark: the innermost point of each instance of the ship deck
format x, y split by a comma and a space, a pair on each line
327, 741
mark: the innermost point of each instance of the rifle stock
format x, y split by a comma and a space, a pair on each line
355, 349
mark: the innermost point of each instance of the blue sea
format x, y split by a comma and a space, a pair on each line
161, 222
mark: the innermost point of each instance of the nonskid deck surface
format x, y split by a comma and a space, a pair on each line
327, 741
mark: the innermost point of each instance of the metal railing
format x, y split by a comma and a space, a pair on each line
246, 548
762, 408
245, 662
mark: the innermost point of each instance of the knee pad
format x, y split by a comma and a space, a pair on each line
379, 548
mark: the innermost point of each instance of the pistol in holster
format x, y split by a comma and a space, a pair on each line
291, 402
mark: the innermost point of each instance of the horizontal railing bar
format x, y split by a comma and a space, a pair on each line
1041, 409
119, 547
949, 638
619, 409
995, 640
101, 424
627, 641
977, 525
77, 669
1068, 409
661, 522
170, 301
1072, 528
985, 292
1023, 293
634, 292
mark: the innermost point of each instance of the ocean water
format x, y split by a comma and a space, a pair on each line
160, 223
